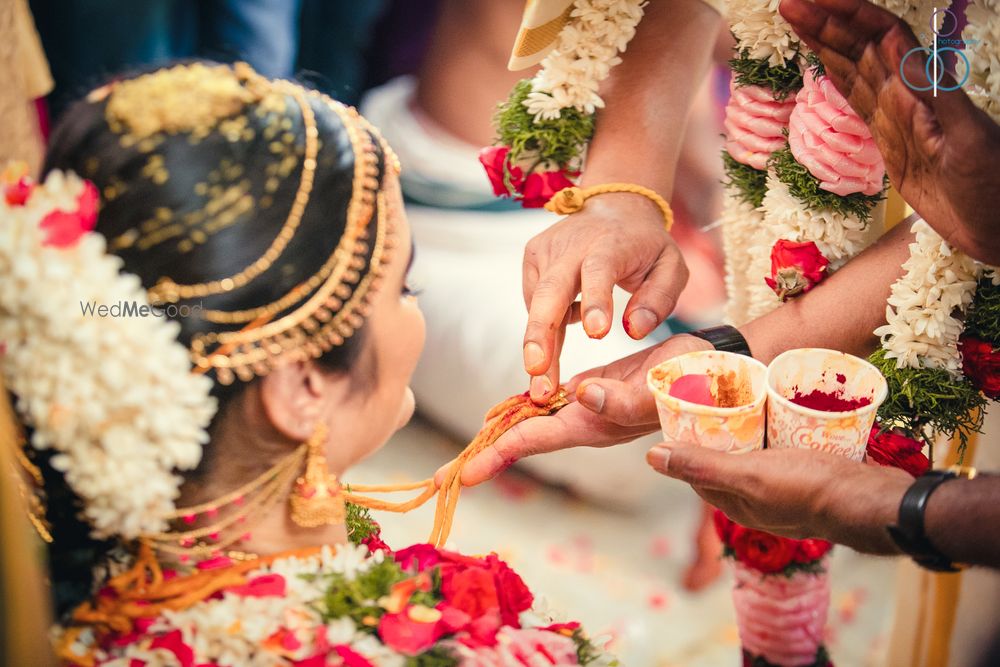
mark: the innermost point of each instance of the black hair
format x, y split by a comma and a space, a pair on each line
146, 188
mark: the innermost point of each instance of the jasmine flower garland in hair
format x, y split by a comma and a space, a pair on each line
113, 397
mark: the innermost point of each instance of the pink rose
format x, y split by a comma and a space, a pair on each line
65, 228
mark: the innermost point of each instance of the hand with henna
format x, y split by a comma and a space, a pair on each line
940, 152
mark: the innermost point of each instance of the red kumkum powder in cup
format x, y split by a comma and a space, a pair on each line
835, 402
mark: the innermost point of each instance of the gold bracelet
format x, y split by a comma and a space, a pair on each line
570, 200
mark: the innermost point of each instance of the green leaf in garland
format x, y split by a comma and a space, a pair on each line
933, 398
749, 182
782, 81
360, 524
815, 64
357, 598
436, 657
805, 187
560, 141
982, 320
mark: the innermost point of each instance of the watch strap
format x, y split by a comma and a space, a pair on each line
909, 532
724, 338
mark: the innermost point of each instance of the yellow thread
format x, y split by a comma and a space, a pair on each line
570, 200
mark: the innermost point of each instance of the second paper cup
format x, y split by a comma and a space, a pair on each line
799, 372
736, 429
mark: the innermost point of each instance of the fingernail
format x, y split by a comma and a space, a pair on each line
541, 386
592, 397
658, 457
533, 355
640, 322
595, 322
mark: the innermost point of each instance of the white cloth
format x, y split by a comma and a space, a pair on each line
468, 264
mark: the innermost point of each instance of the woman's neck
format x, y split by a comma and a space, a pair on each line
244, 448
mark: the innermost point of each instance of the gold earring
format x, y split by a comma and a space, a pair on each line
316, 499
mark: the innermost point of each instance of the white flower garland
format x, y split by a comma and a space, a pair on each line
113, 396
938, 283
587, 49
983, 33
762, 32
739, 219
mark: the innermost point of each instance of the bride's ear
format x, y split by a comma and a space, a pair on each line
295, 397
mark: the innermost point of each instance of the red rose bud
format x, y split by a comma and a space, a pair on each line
795, 268
539, 187
811, 550
897, 451
763, 551
16, 194
981, 365
723, 526
505, 178
64, 229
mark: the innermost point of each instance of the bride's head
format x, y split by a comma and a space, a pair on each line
267, 220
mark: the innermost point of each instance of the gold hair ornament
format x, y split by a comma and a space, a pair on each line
168, 291
571, 199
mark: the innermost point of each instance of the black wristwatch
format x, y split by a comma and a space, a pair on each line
724, 338
908, 533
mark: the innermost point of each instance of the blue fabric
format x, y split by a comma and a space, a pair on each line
264, 33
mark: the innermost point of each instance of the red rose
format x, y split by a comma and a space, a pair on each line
504, 177
17, 193
374, 543
795, 268
897, 451
418, 557
174, 643
65, 228
349, 657
808, 551
401, 633
471, 590
540, 186
981, 364
762, 551
723, 526
512, 593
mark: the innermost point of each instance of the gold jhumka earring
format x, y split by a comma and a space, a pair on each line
317, 499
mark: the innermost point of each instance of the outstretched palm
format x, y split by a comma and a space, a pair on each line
939, 151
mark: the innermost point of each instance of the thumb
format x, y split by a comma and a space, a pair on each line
618, 402
698, 466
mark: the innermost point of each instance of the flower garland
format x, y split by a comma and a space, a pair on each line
419, 607
120, 465
545, 125
982, 31
773, 574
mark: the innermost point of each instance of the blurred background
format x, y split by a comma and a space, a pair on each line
594, 531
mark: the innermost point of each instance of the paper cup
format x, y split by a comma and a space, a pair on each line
802, 371
735, 429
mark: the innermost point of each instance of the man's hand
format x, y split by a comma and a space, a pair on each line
612, 405
794, 492
939, 150
617, 239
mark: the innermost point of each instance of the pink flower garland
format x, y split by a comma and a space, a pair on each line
755, 124
832, 142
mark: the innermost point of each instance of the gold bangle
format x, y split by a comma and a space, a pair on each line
570, 200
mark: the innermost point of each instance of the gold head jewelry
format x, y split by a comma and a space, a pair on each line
317, 499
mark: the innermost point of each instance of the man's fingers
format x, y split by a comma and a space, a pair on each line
554, 293
657, 295
543, 387
700, 466
622, 403
597, 279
